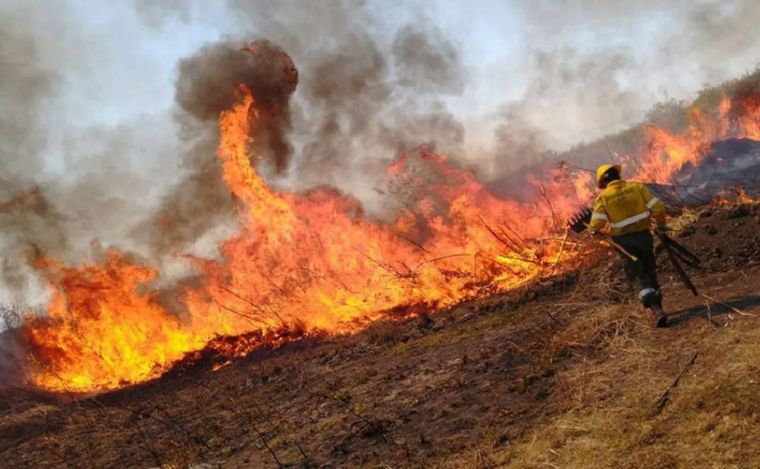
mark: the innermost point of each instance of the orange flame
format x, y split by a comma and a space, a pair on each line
666, 153
738, 196
314, 262
100, 332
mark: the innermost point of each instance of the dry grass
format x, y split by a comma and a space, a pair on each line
609, 406
609, 397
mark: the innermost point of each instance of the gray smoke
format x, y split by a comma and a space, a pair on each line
158, 13
64, 185
26, 217
207, 84
361, 100
368, 91
361, 105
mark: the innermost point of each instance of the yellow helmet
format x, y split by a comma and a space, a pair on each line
603, 169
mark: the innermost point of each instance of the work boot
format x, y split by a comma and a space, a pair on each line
659, 314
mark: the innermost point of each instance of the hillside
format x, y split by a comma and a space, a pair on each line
567, 373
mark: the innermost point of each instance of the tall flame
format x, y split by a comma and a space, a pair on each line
315, 262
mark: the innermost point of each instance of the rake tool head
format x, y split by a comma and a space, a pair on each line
579, 220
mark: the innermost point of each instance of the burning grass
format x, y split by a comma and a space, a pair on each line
314, 263
309, 261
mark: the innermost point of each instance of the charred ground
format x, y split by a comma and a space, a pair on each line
566, 373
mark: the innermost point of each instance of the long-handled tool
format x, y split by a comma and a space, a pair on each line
669, 248
608, 239
683, 254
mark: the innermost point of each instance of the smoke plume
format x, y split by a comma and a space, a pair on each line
208, 83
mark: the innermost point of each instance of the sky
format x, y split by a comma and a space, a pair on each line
88, 109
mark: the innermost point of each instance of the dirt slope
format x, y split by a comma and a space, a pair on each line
569, 373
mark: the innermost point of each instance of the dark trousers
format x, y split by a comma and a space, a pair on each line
643, 272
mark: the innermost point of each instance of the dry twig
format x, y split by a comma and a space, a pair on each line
561, 251
663, 400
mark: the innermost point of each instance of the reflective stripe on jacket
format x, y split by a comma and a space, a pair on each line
626, 206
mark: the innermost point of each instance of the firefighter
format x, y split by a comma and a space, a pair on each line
629, 208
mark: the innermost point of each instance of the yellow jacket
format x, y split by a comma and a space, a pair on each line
627, 207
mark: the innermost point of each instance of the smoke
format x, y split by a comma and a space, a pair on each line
368, 91
563, 76
194, 205
70, 175
208, 84
427, 61
158, 13
26, 217
362, 99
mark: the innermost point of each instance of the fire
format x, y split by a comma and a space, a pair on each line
308, 262
666, 153
738, 196
134, 335
314, 263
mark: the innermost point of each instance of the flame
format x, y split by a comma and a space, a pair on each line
313, 263
666, 153
309, 262
737, 196
98, 327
